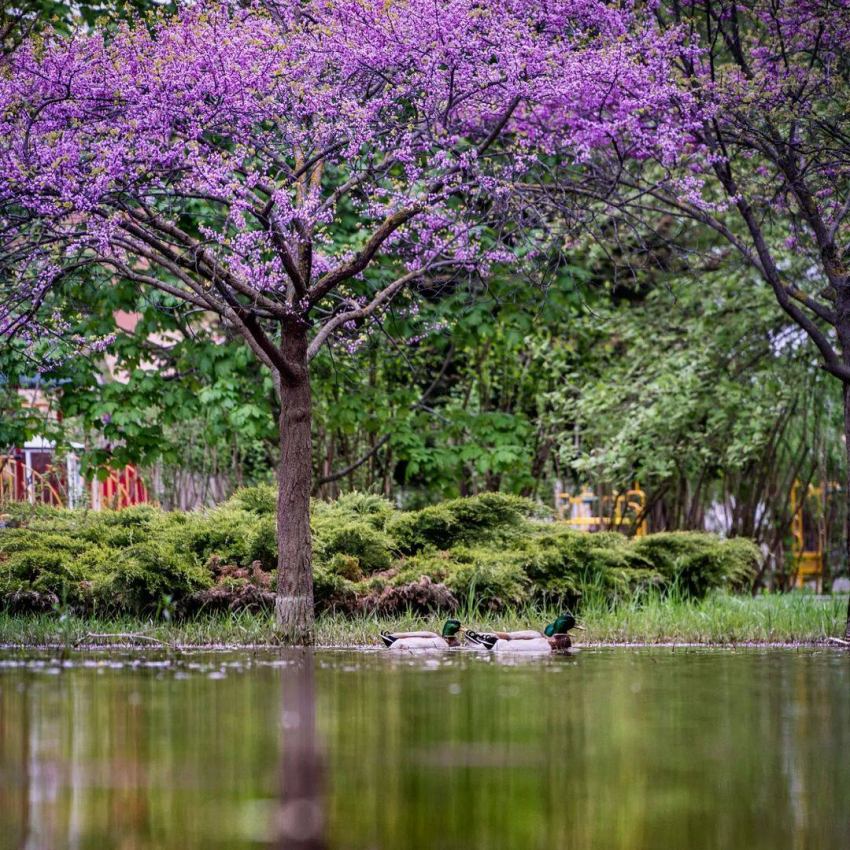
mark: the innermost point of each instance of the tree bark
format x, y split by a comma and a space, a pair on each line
847, 491
294, 604
843, 328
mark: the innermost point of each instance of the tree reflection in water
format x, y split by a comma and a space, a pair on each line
300, 817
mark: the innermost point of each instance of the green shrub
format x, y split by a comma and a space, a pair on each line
48, 562
96, 562
347, 566
262, 546
149, 571
19, 514
699, 562
225, 532
357, 539
136, 516
742, 560
14, 540
437, 565
482, 575
375, 510
489, 577
354, 530
487, 518
261, 499
115, 536
332, 591
38, 569
622, 584
488, 549
560, 562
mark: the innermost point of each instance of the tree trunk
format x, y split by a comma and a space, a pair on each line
294, 604
843, 328
847, 493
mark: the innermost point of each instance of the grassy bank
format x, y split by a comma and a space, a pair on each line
719, 619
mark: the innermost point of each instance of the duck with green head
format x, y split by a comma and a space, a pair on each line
424, 640
554, 637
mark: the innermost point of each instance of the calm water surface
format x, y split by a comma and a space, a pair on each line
340, 749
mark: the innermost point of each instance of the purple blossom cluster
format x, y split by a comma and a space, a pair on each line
253, 161
215, 153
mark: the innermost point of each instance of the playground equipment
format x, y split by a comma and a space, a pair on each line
590, 512
808, 533
34, 474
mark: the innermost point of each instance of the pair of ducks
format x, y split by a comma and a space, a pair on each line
554, 637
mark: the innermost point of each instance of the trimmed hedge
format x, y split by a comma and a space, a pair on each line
492, 549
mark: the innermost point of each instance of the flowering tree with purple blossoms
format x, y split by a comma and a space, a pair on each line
220, 155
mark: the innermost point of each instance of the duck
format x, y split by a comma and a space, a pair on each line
424, 640
554, 637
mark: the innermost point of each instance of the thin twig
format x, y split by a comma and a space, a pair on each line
131, 635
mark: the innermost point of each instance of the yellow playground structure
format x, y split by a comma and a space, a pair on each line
808, 533
626, 511
590, 512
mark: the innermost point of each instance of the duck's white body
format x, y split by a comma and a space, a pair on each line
413, 643
527, 634
538, 644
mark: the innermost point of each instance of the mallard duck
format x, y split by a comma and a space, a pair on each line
554, 636
424, 640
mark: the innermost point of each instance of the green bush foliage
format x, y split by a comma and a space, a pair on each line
699, 562
224, 532
263, 547
261, 499
491, 550
489, 518
364, 507
151, 571
360, 540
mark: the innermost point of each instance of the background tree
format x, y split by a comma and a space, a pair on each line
211, 155
717, 408
20, 19
766, 167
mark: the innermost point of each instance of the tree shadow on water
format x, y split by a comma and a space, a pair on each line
300, 818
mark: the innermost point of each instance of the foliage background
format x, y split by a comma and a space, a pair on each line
667, 366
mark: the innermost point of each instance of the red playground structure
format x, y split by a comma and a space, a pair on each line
36, 473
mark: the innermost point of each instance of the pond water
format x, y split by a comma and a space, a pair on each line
608, 748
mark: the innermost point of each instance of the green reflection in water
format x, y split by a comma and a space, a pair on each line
609, 748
